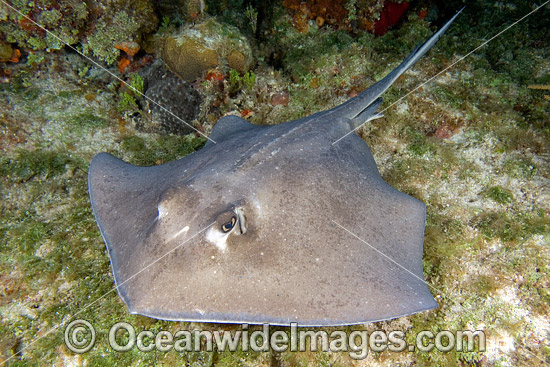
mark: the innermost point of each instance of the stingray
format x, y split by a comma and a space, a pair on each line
267, 224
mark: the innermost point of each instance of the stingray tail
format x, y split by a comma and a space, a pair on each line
362, 108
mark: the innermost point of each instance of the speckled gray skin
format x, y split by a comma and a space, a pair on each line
281, 192
175, 95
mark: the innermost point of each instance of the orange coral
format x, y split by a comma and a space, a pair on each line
215, 75
123, 64
15, 55
299, 21
320, 21
130, 47
246, 113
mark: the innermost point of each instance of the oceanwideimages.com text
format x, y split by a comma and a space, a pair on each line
80, 337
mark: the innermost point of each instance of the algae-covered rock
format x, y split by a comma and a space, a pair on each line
67, 19
98, 25
195, 49
5, 52
118, 21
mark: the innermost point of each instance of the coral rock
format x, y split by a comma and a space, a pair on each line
98, 25
188, 58
281, 99
195, 49
174, 95
236, 60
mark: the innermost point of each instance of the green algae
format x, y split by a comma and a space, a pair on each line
26, 165
238, 82
148, 152
512, 226
101, 43
130, 95
520, 167
500, 195
88, 119
419, 144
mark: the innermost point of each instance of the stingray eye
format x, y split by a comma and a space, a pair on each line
226, 227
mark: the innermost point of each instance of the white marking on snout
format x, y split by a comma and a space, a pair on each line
183, 230
217, 238
257, 205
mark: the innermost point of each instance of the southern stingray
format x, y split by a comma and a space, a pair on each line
269, 224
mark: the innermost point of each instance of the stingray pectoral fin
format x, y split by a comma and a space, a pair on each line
124, 201
391, 235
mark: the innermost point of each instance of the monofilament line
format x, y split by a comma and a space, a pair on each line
390, 259
448, 67
105, 69
54, 328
